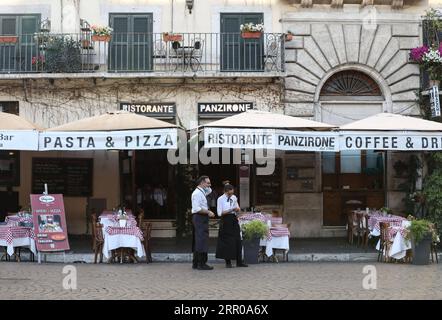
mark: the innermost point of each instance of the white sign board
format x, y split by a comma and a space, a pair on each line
403, 141
119, 140
270, 139
18, 140
434, 102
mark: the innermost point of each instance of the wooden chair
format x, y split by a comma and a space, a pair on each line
98, 241
351, 226
362, 230
140, 217
434, 247
385, 242
285, 253
93, 227
146, 228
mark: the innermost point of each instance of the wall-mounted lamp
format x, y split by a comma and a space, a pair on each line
189, 5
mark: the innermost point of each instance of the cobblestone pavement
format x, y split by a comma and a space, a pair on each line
179, 281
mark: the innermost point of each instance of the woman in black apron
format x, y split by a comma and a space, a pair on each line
229, 246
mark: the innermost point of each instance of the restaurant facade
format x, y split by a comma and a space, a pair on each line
345, 62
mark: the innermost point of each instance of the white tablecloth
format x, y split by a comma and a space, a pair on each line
19, 242
275, 243
112, 242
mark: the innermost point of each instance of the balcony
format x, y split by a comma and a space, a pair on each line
141, 55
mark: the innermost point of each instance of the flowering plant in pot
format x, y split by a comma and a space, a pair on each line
430, 60
252, 232
101, 33
251, 30
421, 232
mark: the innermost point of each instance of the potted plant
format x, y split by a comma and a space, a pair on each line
8, 39
430, 60
38, 62
421, 233
62, 54
101, 33
385, 211
252, 232
172, 37
251, 30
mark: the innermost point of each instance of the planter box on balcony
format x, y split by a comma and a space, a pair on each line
172, 37
251, 35
8, 39
97, 37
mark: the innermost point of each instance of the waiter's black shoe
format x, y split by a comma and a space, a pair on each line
205, 267
228, 264
241, 265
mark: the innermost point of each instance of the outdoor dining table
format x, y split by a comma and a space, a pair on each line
116, 237
397, 232
12, 236
277, 237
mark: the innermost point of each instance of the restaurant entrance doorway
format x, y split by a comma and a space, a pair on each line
148, 183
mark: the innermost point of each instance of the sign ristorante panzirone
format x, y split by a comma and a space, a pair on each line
223, 108
158, 110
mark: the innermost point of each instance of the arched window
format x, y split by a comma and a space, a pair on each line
350, 83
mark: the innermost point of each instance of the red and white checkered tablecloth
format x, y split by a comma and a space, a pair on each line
375, 220
9, 233
392, 231
131, 231
15, 220
252, 216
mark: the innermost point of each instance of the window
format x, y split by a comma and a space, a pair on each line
350, 83
18, 56
9, 160
238, 54
131, 45
353, 168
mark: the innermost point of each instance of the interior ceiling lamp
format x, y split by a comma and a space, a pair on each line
189, 5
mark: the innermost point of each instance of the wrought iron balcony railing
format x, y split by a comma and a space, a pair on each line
194, 53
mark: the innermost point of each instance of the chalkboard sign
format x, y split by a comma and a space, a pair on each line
71, 177
269, 187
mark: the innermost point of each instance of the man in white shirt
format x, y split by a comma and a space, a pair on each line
200, 220
229, 246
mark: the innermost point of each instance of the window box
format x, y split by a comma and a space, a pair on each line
251, 35
8, 39
172, 37
104, 38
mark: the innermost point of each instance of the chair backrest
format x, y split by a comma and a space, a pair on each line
99, 232
383, 226
159, 48
198, 45
146, 228
93, 222
140, 217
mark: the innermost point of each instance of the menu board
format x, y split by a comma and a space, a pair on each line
269, 187
71, 177
49, 222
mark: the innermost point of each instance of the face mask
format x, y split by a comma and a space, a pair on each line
208, 190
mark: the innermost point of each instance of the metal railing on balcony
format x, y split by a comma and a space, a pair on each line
198, 53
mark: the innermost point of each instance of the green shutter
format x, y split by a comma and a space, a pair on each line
18, 56
131, 45
238, 54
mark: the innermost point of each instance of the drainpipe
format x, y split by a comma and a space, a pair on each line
171, 15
